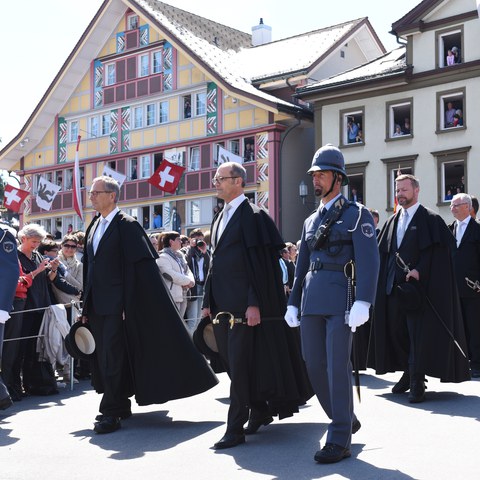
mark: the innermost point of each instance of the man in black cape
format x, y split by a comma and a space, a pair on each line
417, 312
261, 354
142, 346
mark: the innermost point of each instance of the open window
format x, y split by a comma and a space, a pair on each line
399, 119
194, 159
352, 127
451, 110
132, 168
187, 106
249, 149
452, 173
449, 47
200, 104
355, 190
397, 166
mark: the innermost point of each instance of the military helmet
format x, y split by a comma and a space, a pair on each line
331, 158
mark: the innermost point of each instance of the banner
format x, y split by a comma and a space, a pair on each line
14, 197
227, 156
46, 193
110, 172
77, 193
167, 177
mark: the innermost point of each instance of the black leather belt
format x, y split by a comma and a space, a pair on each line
318, 265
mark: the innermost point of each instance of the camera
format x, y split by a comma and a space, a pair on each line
200, 243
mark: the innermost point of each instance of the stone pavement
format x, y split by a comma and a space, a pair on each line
52, 438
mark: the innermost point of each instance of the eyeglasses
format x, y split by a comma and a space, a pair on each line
458, 204
94, 193
216, 179
67, 245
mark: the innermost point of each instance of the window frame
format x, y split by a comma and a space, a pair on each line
442, 100
390, 119
393, 164
194, 157
354, 170
200, 104
145, 163
343, 120
150, 118
160, 63
443, 157
93, 127
73, 132
133, 22
107, 74
440, 50
136, 118
143, 70
160, 110
105, 120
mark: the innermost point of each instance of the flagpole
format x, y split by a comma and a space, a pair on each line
77, 193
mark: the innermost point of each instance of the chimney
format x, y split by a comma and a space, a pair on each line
261, 34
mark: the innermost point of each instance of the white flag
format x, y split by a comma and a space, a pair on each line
46, 193
110, 172
226, 156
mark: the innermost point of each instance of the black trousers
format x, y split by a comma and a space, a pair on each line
112, 374
235, 347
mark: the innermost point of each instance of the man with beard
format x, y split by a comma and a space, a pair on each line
245, 298
338, 240
417, 311
141, 345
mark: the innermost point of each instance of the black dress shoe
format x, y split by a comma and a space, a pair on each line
107, 425
230, 440
122, 416
403, 385
417, 389
356, 426
255, 423
332, 453
5, 403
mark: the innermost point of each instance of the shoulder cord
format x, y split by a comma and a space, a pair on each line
358, 219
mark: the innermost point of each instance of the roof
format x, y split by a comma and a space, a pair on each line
391, 64
415, 15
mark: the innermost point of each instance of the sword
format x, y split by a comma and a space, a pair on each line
474, 285
406, 269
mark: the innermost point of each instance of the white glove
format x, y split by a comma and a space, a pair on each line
358, 314
4, 316
291, 316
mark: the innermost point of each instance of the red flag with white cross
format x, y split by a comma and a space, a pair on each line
14, 197
167, 176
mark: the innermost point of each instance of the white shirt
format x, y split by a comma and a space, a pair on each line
235, 203
461, 227
99, 231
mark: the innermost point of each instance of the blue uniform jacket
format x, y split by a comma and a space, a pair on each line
9, 270
352, 237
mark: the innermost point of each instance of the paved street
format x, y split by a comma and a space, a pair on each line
51, 438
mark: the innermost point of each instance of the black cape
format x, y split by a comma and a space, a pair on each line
164, 363
436, 355
280, 376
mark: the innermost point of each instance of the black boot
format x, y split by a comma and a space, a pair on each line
403, 385
417, 388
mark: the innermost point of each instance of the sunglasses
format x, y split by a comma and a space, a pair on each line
67, 245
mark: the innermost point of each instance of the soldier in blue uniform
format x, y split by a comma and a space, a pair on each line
9, 273
337, 240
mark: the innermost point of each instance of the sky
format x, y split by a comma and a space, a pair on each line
40, 35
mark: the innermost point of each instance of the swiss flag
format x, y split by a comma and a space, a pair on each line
167, 176
14, 197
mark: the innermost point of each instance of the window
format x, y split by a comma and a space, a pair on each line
132, 169
351, 127
194, 160
144, 65
68, 179
451, 173
157, 62
200, 211
249, 149
93, 127
163, 117
399, 117
451, 110
397, 166
355, 190
200, 104
132, 22
216, 148
145, 171
175, 155
449, 45
58, 178
73, 134
106, 124
235, 146
138, 117
187, 106
110, 74
151, 114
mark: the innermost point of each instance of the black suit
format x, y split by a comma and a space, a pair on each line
466, 260
229, 289
104, 307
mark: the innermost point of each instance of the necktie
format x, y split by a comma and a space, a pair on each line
401, 227
226, 211
101, 230
460, 228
